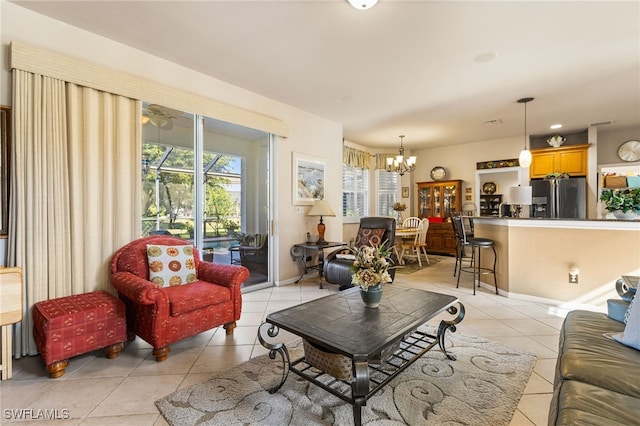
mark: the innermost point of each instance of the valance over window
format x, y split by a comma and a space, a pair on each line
355, 158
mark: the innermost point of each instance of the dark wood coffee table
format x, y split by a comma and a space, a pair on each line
341, 324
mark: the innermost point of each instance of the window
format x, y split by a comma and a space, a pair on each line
388, 185
355, 192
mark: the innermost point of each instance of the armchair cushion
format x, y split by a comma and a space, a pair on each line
192, 296
171, 265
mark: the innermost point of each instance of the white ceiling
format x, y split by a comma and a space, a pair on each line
402, 67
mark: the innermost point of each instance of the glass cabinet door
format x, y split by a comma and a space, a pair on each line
425, 202
437, 201
449, 198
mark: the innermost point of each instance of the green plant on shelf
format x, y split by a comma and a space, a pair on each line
624, 200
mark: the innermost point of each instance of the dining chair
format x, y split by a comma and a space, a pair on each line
418, 246
411, 222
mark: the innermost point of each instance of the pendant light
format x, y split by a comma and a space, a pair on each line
525, 154
401, 164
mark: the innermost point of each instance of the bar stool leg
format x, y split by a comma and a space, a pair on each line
477, 268
495, 259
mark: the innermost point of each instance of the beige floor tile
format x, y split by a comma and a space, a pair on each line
179, 361
550, 341
250, 319
241, 336
216, 358
137, 396
491, 327
535, 407
530, 327
520, 419
546, 368
537, 384
130, 420
86, 395
257, 306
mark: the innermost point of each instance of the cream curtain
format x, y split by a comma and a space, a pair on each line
381, 160
355, 158
75, 188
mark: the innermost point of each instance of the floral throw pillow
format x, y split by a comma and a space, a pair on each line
631, 334
369, 237
171, 265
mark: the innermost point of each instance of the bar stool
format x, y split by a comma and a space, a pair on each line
475, 266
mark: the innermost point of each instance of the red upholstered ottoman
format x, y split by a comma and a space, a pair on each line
74, 325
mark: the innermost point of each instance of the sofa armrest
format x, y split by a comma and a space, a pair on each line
231, 276
136, 289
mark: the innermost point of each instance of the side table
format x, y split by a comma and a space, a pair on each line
301, 258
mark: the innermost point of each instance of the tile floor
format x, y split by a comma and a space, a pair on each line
98, 391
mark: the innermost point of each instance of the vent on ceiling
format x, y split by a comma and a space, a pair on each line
602, 123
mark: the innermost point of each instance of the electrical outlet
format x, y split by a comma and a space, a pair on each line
299, 210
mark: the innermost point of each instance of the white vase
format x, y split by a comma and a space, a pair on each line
619, 214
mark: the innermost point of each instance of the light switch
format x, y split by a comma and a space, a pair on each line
299, 210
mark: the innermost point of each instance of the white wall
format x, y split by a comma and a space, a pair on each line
309, 134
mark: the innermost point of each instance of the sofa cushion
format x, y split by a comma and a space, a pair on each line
171, 265
585, 404
586, 355
197, 295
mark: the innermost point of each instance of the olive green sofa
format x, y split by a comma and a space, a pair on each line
597, 380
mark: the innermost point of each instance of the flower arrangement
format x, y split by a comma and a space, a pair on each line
371, 266
399, 207
624, 200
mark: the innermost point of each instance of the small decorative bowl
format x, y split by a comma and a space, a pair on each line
556, 141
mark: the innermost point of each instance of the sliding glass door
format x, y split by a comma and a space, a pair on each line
223, 208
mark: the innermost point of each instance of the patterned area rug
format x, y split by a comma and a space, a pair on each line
482, 387
411, 265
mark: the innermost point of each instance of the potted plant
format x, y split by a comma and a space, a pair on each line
369, 270
623, 203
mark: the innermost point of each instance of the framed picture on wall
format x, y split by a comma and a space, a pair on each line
308, 178
405, 192
4, 168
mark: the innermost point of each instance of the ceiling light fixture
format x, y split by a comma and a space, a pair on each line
525, 155
399, 164
363, 4
555, 126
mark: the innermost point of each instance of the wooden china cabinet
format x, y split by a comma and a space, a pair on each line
438, 201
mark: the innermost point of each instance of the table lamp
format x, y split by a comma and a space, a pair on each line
519, 195
321, 208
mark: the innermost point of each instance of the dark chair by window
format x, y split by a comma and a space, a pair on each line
372, 230
255, 257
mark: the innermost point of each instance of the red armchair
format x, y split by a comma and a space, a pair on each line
164, 315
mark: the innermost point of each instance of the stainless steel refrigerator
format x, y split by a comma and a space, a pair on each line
559, 198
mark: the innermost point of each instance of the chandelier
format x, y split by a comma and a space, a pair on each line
399, 164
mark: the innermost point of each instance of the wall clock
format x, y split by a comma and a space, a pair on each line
438, 173
629, 151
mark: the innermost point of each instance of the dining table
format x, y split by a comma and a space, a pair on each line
403, 233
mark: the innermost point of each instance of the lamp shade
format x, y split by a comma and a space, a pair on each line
321, 208
520, 195
525, 158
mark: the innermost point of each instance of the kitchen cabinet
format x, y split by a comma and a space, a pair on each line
571, 159
438, 201
490, 204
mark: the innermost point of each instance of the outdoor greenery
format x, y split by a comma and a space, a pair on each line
174, 204
624, 200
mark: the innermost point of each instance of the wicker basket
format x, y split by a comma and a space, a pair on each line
336, 365
615, 181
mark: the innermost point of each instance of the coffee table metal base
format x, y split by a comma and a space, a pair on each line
368, 378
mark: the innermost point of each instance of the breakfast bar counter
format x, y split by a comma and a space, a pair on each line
535, 255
